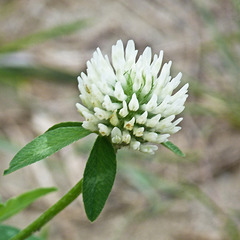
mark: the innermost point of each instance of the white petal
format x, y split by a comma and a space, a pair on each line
118, 60
148, 148
104, 130
133, 104
89, 116
109, 105
90, 126
129, 124
116, 135
130, 49
86, 101
95, 102
124, 111
97, 93
130, 55
170, 86
172, 130
92, 74
147, 56
150, 136
119, 93
175, 130
177, 121
104, 68
102, 114
122, 76
163, 78
81, 85
136, 84
162, 138
137, 80
138, 131
114, 119
135, 145
170, 127
148, 83
156, 65
126, 137
141, 119
160, 108
105, 87
165, 123
181, 92
176, 81
152, 104
152, 122
81, 108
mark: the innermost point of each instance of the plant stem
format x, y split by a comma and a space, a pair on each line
50, 213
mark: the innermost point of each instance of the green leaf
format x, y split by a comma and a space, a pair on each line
15, 205
173, 148
98, 177
7, 232
46, 144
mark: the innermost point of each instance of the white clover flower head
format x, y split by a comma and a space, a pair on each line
129, 100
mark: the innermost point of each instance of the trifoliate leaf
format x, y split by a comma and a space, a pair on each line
53, 140
98, 177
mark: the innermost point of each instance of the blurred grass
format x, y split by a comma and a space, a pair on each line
7, 146
224, 104
229, 56
39, 37
12, 73
161, 195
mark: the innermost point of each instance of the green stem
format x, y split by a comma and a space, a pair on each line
50, 213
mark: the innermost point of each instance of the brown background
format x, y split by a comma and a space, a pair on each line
202, 39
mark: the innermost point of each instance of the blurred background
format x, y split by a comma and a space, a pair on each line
44, 45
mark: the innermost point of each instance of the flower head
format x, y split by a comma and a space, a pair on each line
129, 100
